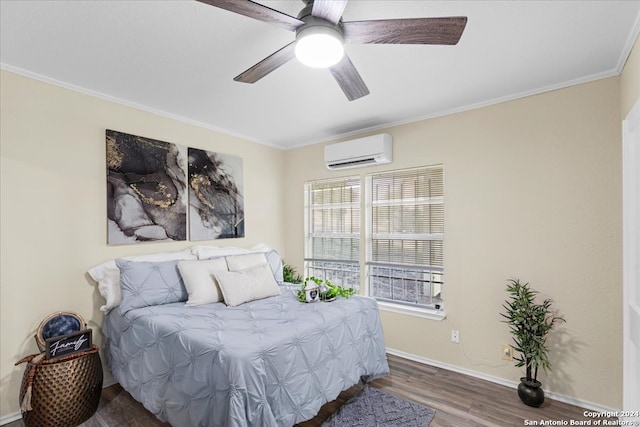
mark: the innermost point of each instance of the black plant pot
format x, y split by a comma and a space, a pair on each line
531, 392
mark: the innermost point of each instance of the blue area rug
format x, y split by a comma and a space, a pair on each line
375, 408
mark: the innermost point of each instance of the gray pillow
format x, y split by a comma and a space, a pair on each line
150, 283
275, 262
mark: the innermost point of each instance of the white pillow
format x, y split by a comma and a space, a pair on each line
260, 247
198, 278
253, 284
205, 252
107, 275
242, 262
273, 258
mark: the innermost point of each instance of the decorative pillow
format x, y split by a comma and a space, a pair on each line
206, 252
243, 262
107, 275
252, 284
275, 262
149, 283
271, 258
199, 281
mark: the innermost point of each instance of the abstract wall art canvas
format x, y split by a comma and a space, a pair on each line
146, 189
216, 200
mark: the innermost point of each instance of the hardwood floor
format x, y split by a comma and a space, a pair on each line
459, 401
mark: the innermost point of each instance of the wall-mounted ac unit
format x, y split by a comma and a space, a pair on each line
370, 150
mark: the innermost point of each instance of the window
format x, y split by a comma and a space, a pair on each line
332, 231
405, 237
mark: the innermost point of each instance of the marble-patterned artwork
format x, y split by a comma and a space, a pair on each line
216, 201
146, 189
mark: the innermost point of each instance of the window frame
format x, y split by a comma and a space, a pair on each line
309, 257
364, 236
434, 312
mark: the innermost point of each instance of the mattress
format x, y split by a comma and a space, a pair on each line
272, 362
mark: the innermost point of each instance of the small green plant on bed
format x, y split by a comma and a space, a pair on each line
290, 275
328, 290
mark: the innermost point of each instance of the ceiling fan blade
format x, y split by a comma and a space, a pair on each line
257, 11
349, 79
406, 31
331, 10
267, 65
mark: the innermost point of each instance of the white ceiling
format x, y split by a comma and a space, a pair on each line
178, 58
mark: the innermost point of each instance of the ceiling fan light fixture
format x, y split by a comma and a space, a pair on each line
319, 46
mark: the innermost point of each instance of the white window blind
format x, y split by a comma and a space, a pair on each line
332, 230
405, 256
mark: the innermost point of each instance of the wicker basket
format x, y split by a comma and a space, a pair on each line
61, 392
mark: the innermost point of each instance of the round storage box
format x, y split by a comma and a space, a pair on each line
65, 392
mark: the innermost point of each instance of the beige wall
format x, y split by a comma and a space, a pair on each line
53, 208
532, 191
630, 81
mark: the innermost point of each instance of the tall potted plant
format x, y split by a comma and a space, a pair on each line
529, 324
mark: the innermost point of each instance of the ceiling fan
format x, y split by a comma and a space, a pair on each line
321, 33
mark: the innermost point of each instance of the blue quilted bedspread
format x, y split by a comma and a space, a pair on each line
272, 362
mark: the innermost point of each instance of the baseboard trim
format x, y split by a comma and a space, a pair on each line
18, 415
511, 384
109, 383
10, 418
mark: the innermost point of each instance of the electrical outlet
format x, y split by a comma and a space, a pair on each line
506, 352
455, 336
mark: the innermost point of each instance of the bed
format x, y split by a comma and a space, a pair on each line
269, 362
